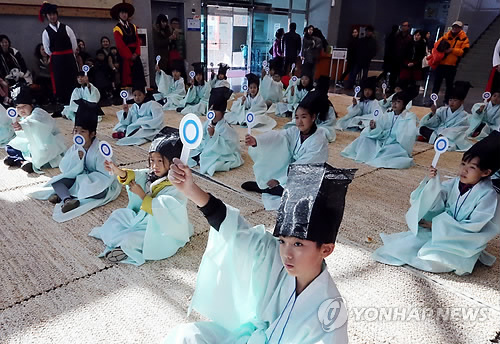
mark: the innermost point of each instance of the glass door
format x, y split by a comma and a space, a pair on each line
264, 30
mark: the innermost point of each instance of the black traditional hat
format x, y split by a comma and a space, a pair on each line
277, 64
253, 79
370, 83
199, 68
460, 90
45, 9
317, 103
178, 65
223, 68
121, 7
405, 96
24, 96
169, 145
488, 152
307, 70
138, 87
218, 98
86, 115
313, 202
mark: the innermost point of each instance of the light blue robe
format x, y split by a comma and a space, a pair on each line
257, 106
462, 226
91, 179
143, 236
387, 104
7, 133
292, 101
271, 91
243, 288
389, 145
221, 152
490, 116
196, 100
361, 112
172, 90
148, 118
328, 124
276, 150
90, 94
452, 125
40, 140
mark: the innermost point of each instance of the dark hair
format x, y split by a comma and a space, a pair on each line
38, 54
80, 40
487, 160
161, 18
293, 26
175, 20
307, 28
372, 97
370, 28
196, 83
309, 87
105, 37
280, 32
111, 48
2, 37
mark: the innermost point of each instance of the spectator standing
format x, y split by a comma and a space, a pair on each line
278, 50
447, 69
177, 42
390, 54
402, 42
161, 41
352, 48
293, 45
105, 45
494, 80
411, 68
59, 42
311, 47
42, 75
128, 44
367, 49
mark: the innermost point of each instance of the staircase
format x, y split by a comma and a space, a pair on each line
476, 66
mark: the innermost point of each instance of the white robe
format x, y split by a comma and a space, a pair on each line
257, 106
90, 94
172, 90
359, 116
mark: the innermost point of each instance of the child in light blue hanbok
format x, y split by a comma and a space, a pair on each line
219, 149
485, 118
252, 284
220, 80
271, 87
84, 183
140, 122
155, 223
198, 95
251, 102
295, 92
450, 222
38, 142
359, 114
387, 142
327, 118
274, 151
85, 91
386, 102
7, 132
171, 88
451, 121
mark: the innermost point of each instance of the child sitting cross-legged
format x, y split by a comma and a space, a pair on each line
450, 222
198, 95
258, 287
139, 122
155, 223
83, 184
485, 118
171, 88
85, 91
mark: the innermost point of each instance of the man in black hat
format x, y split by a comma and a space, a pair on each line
128, 44
59, 42
264, 286
451, 121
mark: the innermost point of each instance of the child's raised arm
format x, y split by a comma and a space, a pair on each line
111, 167
181, 177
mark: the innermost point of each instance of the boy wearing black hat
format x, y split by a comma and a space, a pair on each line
485, 118
139, 122
451, 121
198, 95
450, 222
86, 91
268, 288
59, 42
219, 149
251, 102
221, 79
360, 113
171, 88
38, 141
84, 183
387, 142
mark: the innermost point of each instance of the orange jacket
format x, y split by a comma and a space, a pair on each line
457, 44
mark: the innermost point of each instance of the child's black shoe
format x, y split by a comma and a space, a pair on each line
251, 186
11, 162
27, 167
70, 204
116, 255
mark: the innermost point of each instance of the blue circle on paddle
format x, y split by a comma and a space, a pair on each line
434, 97
184, 131
105, 149
250, 117
12, 112
192, 74
294, 78
244, 87
210, 115
357, 89
79, 140
124, 94
158, 58
441, 144
486, 95
85, 68
376, 112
